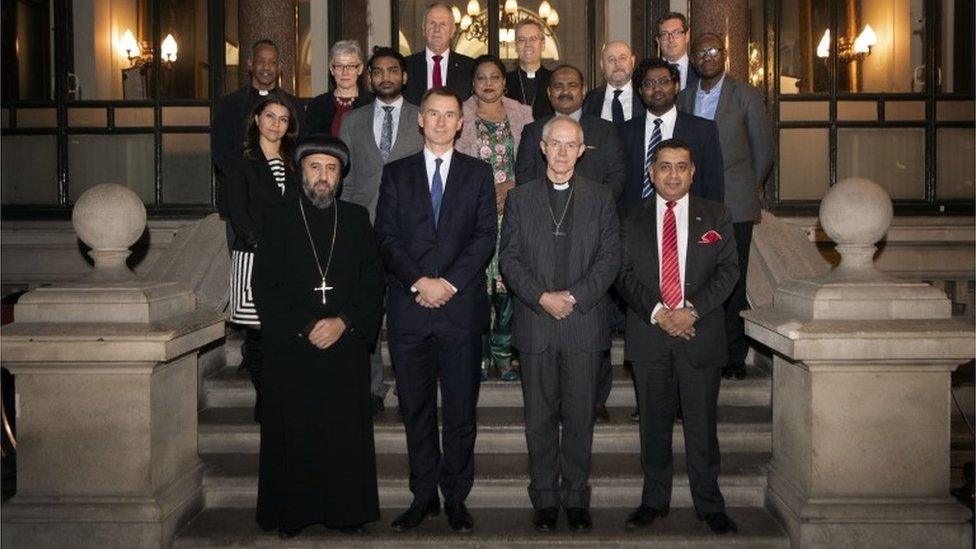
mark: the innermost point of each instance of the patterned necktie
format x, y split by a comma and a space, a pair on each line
680, 76
386, 138
670, 273
617, 108
647, 190
437, 190
435, 78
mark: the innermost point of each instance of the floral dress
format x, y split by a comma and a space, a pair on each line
496, 146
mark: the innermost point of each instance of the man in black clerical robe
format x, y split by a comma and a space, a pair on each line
318, 286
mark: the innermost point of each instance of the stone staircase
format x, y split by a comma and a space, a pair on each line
228, 443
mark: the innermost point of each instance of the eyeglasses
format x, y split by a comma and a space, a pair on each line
659, 83
711, 53
528, 39
344, 68
569, 146
667, 35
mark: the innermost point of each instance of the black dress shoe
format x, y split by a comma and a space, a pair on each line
644, 516
458, 518
378, 405
635, 415
601, 414
351, 530
579, 519
734, 371
288, 533
412, 517
545, 519
720, 523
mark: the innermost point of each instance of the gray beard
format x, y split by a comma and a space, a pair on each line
320, 201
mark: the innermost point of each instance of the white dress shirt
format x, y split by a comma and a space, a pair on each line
683, 70
430, 66
681, 224
429, 160
379, 114
668, 121
626, 99
576, 115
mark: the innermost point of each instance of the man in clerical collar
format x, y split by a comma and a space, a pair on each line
528, 82
673, 37
559, 254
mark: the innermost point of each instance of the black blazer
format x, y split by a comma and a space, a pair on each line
458, 250
711, 273
593, 102
698, 133
458, 76
693, 77
540, 105
320, 111
603, 161
251, 192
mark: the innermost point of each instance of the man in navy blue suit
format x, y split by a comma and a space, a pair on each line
436, 225
657, 81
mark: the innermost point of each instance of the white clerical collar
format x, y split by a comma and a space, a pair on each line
667, 118
561, 186
528, 73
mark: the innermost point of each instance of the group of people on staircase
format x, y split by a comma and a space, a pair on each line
493, 214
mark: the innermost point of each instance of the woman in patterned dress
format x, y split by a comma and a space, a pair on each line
263, 176
492, 130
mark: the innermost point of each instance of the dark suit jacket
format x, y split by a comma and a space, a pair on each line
711, 272
458, 76
458, 250
540, 103
251, 193
603, 161
593, 102
746, 134
527, 261
321, 110
699, 134
692, 77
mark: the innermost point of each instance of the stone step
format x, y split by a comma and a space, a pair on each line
501, 481
229, 388
500, 430
509, 528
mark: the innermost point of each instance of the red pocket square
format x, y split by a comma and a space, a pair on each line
710, 238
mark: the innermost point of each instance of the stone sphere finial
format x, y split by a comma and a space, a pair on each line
110, 218
856, 214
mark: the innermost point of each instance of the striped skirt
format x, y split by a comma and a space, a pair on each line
242, 309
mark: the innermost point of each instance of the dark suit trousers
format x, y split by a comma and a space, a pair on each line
559, 386
658, 384
738, 344
439, 352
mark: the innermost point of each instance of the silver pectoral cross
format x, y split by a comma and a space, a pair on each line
323, 288
557, 232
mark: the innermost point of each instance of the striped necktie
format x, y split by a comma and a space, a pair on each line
647, 190
670, 272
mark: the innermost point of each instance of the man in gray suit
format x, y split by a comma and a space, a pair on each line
379, 132
746, 135
560, 252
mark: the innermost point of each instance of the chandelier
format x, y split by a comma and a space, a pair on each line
474, 23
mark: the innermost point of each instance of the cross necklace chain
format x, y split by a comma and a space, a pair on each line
562, 217
324, 287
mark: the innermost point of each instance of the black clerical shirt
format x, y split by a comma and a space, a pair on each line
558, 203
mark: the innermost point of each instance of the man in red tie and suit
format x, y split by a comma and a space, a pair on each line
679, 264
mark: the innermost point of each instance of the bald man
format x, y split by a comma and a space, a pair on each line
615, 101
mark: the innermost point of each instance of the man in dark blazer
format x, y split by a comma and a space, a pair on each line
529, 80
678, 266
559, 254
437, 66
617, 100
673, 38
436, 222
603, 160
658, 84
746, 133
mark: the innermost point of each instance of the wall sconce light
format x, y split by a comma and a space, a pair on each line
136, 78
849, 50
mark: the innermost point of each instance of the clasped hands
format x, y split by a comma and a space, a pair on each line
433, 292
559, 305
676, 322
326, 332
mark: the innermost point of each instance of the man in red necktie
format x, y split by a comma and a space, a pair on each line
436, 66
679, 264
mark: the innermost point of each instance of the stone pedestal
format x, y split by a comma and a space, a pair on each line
106, 382
861, 395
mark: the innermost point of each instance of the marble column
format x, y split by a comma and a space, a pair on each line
730, 20
861, 394
106, 378
273, 19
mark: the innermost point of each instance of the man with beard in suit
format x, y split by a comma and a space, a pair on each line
616, 101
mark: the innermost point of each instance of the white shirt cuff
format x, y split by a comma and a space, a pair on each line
657, 308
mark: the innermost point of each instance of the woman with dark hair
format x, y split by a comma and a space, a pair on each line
263, 176
492, 130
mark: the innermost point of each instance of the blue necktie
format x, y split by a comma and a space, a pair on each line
647, 190
437, 190
617, 108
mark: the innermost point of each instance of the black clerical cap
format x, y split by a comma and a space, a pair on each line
323, 144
